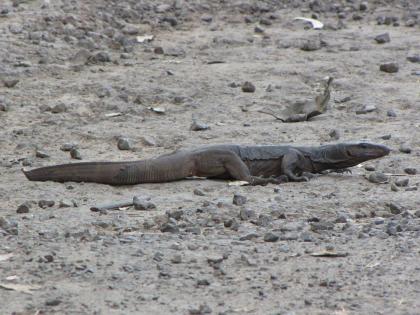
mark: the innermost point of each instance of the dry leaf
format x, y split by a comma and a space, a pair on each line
144, 38
24, 288
5, 257
317, 25
238, 183
113, 114
328, 253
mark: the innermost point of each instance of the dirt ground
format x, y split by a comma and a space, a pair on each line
78, 63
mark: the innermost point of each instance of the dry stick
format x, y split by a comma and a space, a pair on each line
112, 205
271, 114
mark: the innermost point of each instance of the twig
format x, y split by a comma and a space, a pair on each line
271, 114
112, 205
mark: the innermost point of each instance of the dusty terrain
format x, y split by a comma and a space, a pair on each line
78, 61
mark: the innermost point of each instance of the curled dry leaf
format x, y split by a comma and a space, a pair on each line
317, 25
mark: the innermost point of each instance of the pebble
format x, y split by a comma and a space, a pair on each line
370, 168
64, 203
363, 6
158, 50
383, 38
59, 108
258, 29
417, 213
246, 214
239, 200
389, 67
284, 248
366, 109
410, 170
310, 45
199, 192
414, 58
248, 87
248, 237
271, 237
264, 220
334, 134
394, 187
378, 178
206, 18
391, 113
142, 204
53, 302
41, 154
46, 203
9, 226
175, 214
24, 208
403, 182
177, 259
199, 126
169, 228
124, 144
10, 83
405, 148
101, 56
75, 154
68, 146
395, 208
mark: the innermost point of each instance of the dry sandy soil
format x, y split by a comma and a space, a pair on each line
78, 61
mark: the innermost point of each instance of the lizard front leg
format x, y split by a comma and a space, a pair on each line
216, 163
294, 161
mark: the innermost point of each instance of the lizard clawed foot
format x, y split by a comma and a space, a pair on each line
341, 171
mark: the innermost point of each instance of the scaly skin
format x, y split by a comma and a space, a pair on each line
258, 165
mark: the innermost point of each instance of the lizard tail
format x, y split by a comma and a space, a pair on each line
113, 173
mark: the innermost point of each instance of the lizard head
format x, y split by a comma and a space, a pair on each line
343, 155
356, 153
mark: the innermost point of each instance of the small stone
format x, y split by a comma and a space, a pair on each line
414, 58
334, 134
284, 248
271, 237
199, 192
149, 141
410, 170
310, 45
65, 203
169, 228
199, 126
264, 220
158, 50
389, 67
391, 113
378, 178
59, 108
394, 187
24, 208
68, 146
383, 38
370, 168
175, 214
101, 57
41, 154
53, 302
366, 109
248, 237
142, 204
10, 83
386, 137
248, 87
46, 203
177, 259
124, 144
404, 148
417, 213
75, 154
363, 6
206, 18
239, 200
395, 208
258, 29
402, 182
